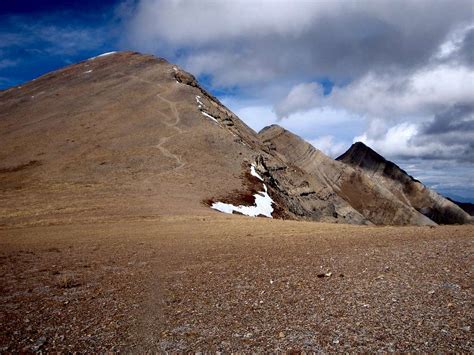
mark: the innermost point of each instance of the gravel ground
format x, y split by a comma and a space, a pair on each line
232, 283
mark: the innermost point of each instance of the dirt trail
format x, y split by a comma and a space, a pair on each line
174, 125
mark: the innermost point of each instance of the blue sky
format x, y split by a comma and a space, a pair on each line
333, 72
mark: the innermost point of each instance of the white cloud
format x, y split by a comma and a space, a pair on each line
329, 145
419, 94
401, 141
301, 97
244, 41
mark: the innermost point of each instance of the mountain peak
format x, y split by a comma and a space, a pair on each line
362, 155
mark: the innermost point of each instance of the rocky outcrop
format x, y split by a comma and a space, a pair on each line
350, 192
403, 186
466, 206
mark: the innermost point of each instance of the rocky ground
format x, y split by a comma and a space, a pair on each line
225, 283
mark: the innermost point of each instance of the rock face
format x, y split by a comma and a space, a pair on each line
466, 206
352, 194
405, 188
131, 136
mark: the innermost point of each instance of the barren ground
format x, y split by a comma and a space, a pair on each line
233, 283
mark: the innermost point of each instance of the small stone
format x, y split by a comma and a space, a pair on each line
281, 335
39, 343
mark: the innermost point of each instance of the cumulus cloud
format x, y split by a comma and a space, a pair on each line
402, 140
285, 39
420, 93
329, 145
301, 97
425, 113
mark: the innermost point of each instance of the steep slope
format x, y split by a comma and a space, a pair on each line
339, 181
466, 206
408, 190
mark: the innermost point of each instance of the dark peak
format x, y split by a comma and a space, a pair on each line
363, 156
359, 153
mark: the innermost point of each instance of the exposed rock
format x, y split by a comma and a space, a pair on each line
351, 193
406, 189
466, 206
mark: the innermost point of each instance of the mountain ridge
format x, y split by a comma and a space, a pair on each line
406, 188
126, 135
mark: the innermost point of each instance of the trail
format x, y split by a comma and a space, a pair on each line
173, 125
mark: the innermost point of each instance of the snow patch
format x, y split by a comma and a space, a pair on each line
253, 172
201, 106
262, 205
102, 55
87, 72
175, 69
198, 100
209, 116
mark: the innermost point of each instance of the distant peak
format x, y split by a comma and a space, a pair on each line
361, 152
360, 144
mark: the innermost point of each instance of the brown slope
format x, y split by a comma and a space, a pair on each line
332, 178
407, 189
466, 206
114, 137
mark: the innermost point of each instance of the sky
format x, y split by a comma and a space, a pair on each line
397, 75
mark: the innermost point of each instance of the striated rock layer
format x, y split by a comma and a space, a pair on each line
404, 187
333, 181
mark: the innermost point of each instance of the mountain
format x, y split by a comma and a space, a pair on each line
333, 181
131, 136
466, 206
407, 190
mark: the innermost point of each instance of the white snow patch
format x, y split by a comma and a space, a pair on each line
198, 100
253, 172
209, 116
87, 72
102, 55
262, 206
175, 69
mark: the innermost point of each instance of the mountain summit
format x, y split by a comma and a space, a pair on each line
126, 135
403, 186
